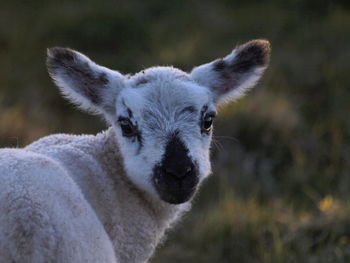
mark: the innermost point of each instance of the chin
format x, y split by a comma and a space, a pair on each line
176, 197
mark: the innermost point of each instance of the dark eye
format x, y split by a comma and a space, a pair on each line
128, 129
207, 122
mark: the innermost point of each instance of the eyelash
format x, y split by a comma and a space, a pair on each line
128, 129
207, 122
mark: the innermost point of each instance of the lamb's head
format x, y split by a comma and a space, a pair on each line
162, 116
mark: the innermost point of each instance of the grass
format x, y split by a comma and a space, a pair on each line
235, 230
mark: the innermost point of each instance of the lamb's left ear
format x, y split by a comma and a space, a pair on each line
92, 87
229, 77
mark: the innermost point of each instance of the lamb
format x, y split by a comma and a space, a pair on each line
111, 197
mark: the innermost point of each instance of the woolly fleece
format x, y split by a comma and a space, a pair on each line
65, 198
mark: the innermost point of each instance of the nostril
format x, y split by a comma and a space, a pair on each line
181, 173
189, 170
171, 172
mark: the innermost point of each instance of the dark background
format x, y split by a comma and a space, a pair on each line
281, 186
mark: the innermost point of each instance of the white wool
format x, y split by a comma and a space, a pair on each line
69, 200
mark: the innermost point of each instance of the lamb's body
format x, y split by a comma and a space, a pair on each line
110, 197
70, 201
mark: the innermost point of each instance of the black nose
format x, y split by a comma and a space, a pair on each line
180, 172
176, 176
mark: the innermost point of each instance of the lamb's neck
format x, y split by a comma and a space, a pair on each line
108, 153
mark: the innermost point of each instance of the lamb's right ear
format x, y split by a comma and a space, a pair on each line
92, 87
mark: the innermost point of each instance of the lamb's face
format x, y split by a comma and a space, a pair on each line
162, 116
164, 125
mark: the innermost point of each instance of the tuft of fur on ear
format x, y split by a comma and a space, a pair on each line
92, 87
230, 77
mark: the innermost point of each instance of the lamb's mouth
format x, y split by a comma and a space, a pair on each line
175, 191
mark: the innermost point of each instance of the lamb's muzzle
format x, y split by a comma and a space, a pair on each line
176, 178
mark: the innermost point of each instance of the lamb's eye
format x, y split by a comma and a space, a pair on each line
128, 129
207, 122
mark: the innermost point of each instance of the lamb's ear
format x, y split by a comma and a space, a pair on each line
230, 77
92, 87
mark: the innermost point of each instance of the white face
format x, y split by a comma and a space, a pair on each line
162, 116
159, 120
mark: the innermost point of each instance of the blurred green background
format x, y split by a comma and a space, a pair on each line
281, 186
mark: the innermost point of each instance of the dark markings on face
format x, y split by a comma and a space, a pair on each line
65, 62
140, 141
189, 109
206, 120
123, 103
176, 154
248, 57
187, 112
176, 177
203, 111
141, 80
129, 113
138, 137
